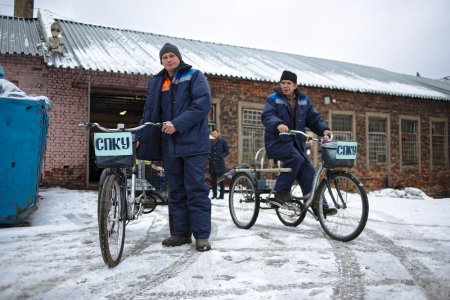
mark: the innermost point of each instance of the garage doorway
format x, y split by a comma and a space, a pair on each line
108, 109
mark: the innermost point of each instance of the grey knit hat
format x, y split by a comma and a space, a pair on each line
169, 48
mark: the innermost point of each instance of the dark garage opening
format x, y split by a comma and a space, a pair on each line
109, 109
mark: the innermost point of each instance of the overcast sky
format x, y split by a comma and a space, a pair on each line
405, 36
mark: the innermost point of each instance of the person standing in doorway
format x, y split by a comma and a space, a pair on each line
219, 150
179, 97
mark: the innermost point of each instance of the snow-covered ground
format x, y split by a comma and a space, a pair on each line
404, 253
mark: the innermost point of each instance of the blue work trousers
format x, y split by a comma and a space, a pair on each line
302, 171
189, 204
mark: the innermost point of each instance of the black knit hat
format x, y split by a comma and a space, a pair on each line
169, 48
287, 75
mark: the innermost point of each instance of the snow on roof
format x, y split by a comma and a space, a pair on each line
94, 47
19, 36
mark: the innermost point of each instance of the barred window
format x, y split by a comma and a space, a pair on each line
212, 118
252, 134
438, 143
410, 145
377, 140
342, 127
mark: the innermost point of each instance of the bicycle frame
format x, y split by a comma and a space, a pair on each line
131, 199
117, 202
309, 198
129, 195
337, 199
320, 168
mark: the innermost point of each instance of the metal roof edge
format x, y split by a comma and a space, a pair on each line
315, 65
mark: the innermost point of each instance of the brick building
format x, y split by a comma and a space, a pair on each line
90, 72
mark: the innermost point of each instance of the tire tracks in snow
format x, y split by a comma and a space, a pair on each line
142, 289
38, 290
349, 285
422, 276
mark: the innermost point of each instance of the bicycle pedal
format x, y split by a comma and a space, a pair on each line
282, 205
275, 203
149, 203
288, 206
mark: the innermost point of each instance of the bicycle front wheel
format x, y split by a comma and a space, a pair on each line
347, 195
243, 201
111, 220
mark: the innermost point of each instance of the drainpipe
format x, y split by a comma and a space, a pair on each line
88, 131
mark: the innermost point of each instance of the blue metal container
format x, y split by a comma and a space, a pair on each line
23, 133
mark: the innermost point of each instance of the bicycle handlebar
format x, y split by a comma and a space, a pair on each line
307, 136
120, 126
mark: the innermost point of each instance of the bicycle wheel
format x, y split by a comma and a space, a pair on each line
243, 201
111, 222
292, 217
347, 194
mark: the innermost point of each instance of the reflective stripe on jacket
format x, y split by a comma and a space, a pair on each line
188, 107
278, 110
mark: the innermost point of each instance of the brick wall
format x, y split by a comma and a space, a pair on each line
227, 93
66, 148
65, 157
65, 154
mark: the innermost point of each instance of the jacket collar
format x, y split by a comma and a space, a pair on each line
297, 92
181, 68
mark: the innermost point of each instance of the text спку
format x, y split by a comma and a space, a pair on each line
120, 143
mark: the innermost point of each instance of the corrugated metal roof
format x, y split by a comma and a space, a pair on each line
94, 47
19, 36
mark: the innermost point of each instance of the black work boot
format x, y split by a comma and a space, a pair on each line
283, 197
329, 211
176, 240
202, 245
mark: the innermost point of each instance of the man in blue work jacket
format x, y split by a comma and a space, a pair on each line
179, 97
288, 108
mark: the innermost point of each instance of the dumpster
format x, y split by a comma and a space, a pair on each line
23, 133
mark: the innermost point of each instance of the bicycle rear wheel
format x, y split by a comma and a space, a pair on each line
345, 193
111, 220
243, 201
292, 217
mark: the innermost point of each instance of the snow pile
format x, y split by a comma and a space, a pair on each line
409, 193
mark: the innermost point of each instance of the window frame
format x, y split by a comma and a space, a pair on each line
245, 105
388, 139
409, 118
446, 158
215, 107
344, 113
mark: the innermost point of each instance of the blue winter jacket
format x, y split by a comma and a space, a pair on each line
278, 110
188, 107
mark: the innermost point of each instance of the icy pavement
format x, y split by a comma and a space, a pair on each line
404, 253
